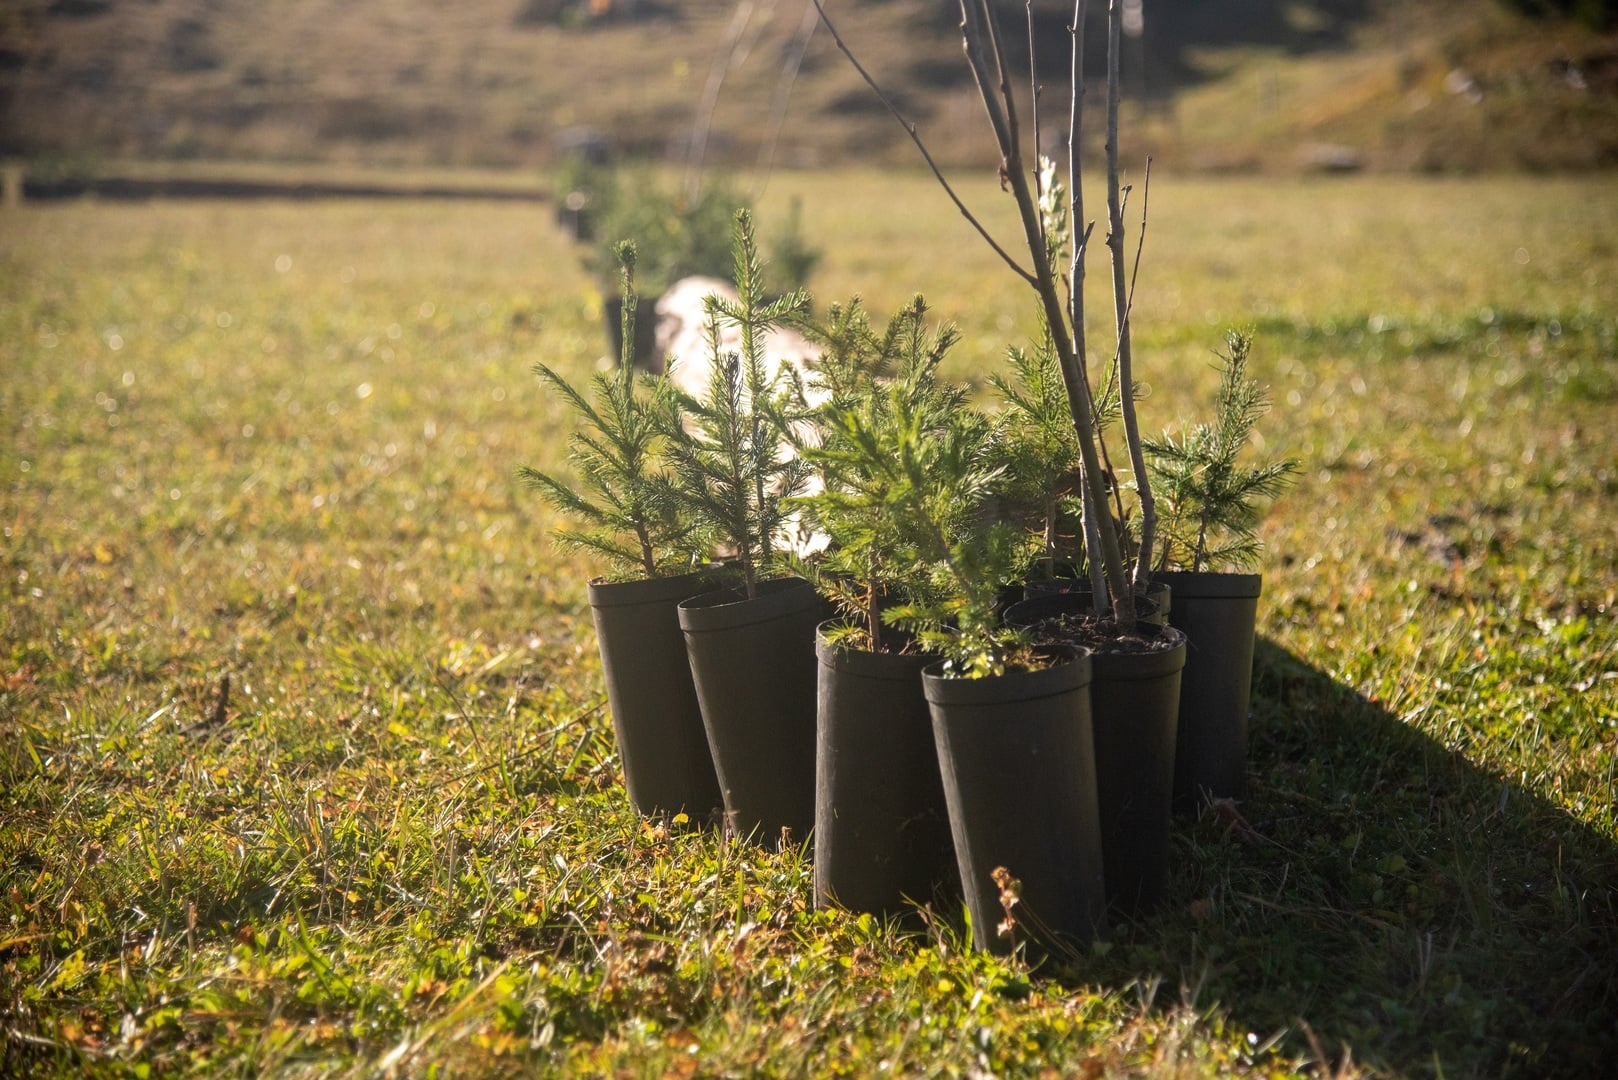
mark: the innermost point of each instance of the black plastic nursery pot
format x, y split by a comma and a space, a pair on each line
667, 767
753, 664
1219, 614
1016, 755
1134, 704
882, 833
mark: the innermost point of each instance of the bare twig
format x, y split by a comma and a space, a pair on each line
783, 94
1092, 507
1126, 381
977, 25
915, 137
723, 61
1034, 88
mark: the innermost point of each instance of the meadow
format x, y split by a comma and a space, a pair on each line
304, 752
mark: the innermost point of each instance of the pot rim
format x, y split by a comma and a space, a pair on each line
730, 609
605, 594
1060, 678
1138, 667
1212, 584
1058, 602
864, 663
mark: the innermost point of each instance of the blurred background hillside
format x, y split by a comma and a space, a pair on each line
1277, 85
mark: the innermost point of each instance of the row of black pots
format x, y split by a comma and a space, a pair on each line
911, 795
1218, 613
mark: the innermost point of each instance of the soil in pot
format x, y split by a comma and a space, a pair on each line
661, 741
1218, 613
882, 834
1016, 755
1134, 701
753, 665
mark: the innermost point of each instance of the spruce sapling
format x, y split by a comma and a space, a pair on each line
733, 469
1212, 502
626, 503
872, 559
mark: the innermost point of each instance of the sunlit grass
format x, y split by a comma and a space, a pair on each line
277, 443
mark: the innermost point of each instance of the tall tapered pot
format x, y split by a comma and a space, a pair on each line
1135, 705
1218, 613
882, 833
655, 718
753, 665
1016, 755
1135, 701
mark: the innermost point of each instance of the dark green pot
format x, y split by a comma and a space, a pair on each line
655, 718
753, 665
1219, 614
1135, 705
882, 836
1135, 701
1016, 755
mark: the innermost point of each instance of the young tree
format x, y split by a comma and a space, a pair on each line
625, 501
1213, 502
1064, 317
733, 467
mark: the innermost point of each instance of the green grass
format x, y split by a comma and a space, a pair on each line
277, 443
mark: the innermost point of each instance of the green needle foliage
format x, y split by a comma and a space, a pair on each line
1038, 452
1212, 504
626, 502
872, 559
734, 471
912, 474
946, 476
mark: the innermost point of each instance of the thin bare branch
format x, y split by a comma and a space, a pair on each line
724, 59
1121, 306
1035, 88
915, 137
1140, 241
1075, 190
783, 95
1093, 508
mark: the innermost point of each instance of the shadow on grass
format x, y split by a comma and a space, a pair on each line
1386, 897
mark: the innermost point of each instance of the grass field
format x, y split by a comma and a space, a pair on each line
303, 745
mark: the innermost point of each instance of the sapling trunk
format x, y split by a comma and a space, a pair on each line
1121, 308
978, 27
1091, 509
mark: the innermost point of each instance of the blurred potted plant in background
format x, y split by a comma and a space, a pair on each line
677, 235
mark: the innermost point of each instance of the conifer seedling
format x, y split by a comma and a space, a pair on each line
1212, 504
733, 469
625, 502
879, 390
